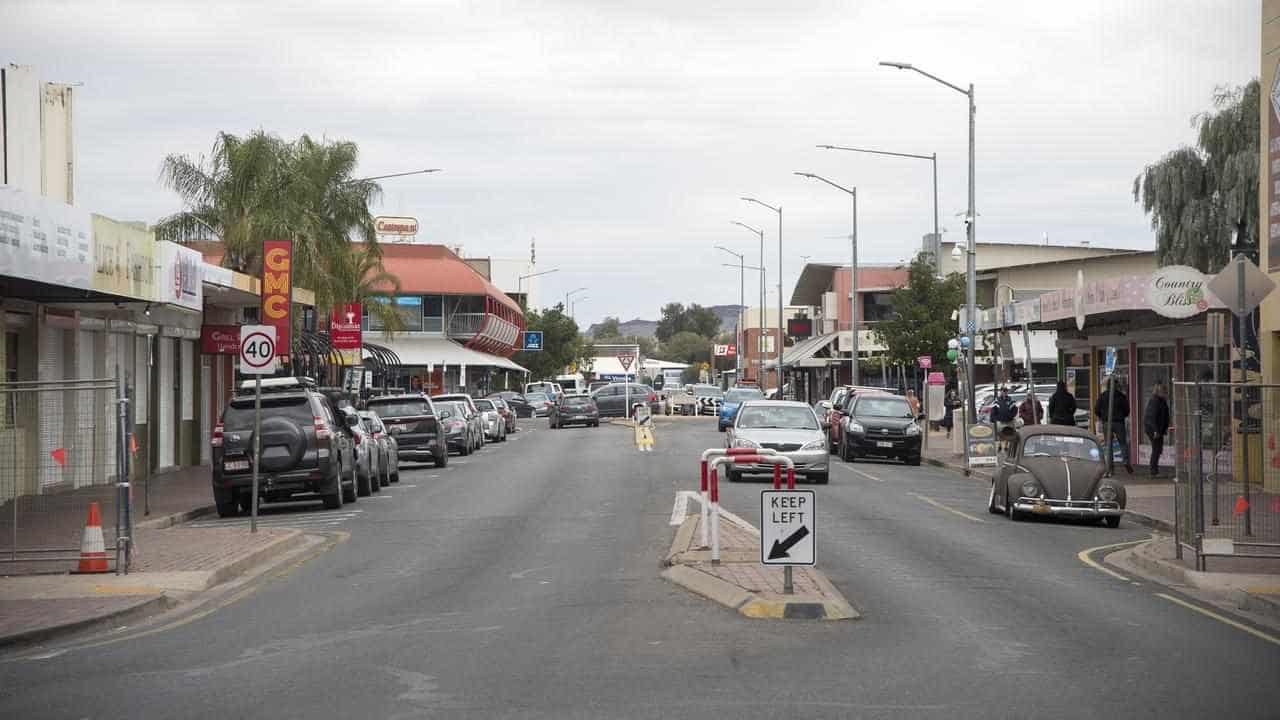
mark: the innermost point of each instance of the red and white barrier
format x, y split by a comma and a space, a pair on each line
736, 456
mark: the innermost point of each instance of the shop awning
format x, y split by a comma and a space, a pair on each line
801, 355
437, 351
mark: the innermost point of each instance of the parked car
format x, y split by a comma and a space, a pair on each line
1055, 470
612, 399
790, 428
574, 410
595, 385
517, 402
389, 448
464, 428
508, 415
540, 403
495, 426
552, 390
306, 448
411, 419
880, 424
367, 470
472, 411
843, 397
732, 401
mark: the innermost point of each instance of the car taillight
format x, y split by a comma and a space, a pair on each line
653, 397
322, 428
216, 440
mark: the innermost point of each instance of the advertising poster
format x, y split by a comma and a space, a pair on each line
344, 332
982, 445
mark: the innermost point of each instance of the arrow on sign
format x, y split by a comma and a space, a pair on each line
779, 549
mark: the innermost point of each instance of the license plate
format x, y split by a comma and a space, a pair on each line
1040, 509
884, 443
236, 465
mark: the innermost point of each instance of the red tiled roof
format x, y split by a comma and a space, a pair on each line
422, 269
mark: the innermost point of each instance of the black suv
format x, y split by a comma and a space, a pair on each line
412, 419
882, 425
307, 448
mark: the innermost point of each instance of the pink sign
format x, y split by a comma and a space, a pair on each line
937, 378
925, 361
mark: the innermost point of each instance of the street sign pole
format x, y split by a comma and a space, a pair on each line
257, 358
257, 450
1246, 324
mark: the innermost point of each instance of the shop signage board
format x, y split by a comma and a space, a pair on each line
180, 272
1177, 291
277, 288
729, 350
386, 225
533, 340
124, 260
220, 339
1241, 274
982, 445
45, 240
787, 527
344, 332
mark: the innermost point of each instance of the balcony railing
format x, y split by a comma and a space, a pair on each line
464, 326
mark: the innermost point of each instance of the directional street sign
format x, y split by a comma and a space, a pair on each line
1241, 275
626, 358
257, 349
787, 527
533, 340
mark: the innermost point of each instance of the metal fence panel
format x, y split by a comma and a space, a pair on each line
1227, 499
61, 449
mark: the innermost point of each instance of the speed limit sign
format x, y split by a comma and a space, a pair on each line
257, 349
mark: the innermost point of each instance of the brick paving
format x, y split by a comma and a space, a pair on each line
32, 615
180, 549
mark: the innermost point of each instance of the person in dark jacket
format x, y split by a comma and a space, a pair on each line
1003, 414
1155, 422
1030, 410
1062, 406
1119, 410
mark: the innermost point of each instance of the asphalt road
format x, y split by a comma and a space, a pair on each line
523, 582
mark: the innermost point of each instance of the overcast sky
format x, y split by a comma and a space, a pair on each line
621, 135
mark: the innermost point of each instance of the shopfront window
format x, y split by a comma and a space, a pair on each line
1155, 365
433, 313
409, 307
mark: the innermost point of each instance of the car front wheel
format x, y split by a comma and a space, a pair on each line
1112, 521
991, 500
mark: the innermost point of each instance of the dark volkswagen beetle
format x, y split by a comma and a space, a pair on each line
1055, 470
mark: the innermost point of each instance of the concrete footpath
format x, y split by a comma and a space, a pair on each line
741, 582
172, 565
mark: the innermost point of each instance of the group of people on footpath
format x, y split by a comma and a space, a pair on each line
1112, 413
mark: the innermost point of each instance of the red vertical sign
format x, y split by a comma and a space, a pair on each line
277, 290
344, 332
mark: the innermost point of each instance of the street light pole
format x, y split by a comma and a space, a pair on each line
520, 281
853, 274
764, 325
742, 289
395, 175
570, 294
932, 157
782, 323
971, 222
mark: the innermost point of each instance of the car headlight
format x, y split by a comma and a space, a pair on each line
1107, 493
856, 427
745, 443
912, 429
1030, 488
815, 445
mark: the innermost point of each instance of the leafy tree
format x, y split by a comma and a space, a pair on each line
673, 321
676, 318
702, 320
608, 328
261, 187
1198, 197
561, 343
921, 323
687, 347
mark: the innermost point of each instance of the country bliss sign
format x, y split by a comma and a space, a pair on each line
1177, 291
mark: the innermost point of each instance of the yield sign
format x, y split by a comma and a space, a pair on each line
626, 358
1241, 274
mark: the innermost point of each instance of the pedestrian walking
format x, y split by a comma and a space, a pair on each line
1155, 422
1003, 415
1115, 424
1030, 410
949, 410
1062, 406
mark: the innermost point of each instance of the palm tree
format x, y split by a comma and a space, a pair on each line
1199, 197
359, 276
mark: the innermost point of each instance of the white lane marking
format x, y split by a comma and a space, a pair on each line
1085, 557
521, 575
1239, 626
856, 471
405, 486
951, 510
681, 507
382, 496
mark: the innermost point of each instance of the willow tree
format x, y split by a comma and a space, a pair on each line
1200, 198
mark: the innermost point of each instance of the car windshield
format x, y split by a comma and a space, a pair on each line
707, 391
778, 417
737, 396
372, 421
239, 416
535, 397
483, 405
883, 406
576, 401
455, 409
400, 407
1069, 446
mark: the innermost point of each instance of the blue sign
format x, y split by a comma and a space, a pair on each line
1111, 360
533, 340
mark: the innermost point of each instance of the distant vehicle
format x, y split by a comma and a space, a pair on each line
504, 410
517, 402
573, 384
546, 387
472, 414
307, 448
882, 425
495, 427
732, 401
367, 454
411, 420
611, 400
540, 402
1055, 470
596, 385
388, 461
465, 429
790, 428
708, 399
574, 410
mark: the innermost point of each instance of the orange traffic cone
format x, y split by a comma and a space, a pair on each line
93, 549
